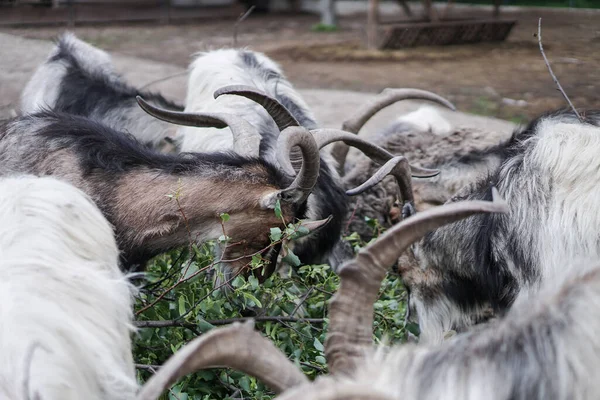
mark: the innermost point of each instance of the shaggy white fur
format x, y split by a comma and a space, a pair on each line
65, 307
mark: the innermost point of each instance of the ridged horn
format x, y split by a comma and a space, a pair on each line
351, 309
282, 117
236, 346
246, 139
384, 99
306, 179
401, 171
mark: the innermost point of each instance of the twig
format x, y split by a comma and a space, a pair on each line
554, 78
226, 321
147, 367
238, 22
166, 78
321, 370
352, 216
308, 292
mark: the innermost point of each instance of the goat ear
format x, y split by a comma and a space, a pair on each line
313, 226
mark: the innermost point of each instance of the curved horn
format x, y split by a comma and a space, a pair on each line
333, 390
384, 99
246, 139
282, 117
397, 166
236, 346
402, 172
306, 179
351, 309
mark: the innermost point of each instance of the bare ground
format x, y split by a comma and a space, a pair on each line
485, 79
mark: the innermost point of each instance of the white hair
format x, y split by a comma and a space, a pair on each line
218, 68
65, 307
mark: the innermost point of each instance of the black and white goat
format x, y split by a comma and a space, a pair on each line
549, 176
269, 102
80, 79
66, 308
463, 151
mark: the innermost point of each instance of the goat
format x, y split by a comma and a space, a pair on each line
79, 79
548, 174
543, 348
66, 308
249, 74
462, 154
130, 184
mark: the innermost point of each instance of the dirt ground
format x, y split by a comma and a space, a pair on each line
507, 80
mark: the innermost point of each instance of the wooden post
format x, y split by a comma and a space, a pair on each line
372, 24
165, 15
71, 22
405, 7
429, 11
497, 8
328, 16
447, 9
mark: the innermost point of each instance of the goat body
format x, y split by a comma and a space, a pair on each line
66, 309
79, 79
549, 178
155, 201
546, 348
461, 154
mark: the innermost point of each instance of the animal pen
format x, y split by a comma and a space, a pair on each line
433, 27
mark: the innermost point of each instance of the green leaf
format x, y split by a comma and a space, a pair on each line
278, 213
181, 303
191, 270
224, 217
253, 281
413, 328
238, 282
321, 360
275, 234
301, 231
252, 298
318, 345
223, 239
292, 259
244, 382
204, 325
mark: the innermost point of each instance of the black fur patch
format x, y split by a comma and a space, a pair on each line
92, 94
99, 147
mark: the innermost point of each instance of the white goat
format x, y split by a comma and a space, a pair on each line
65, 307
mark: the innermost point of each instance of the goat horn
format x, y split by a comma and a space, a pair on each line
351, 309
306, 179
246, 139
332, 390
282, 117
236, 346
384, 99
381, 156
398, 166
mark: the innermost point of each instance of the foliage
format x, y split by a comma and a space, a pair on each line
320, 27
178, 287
